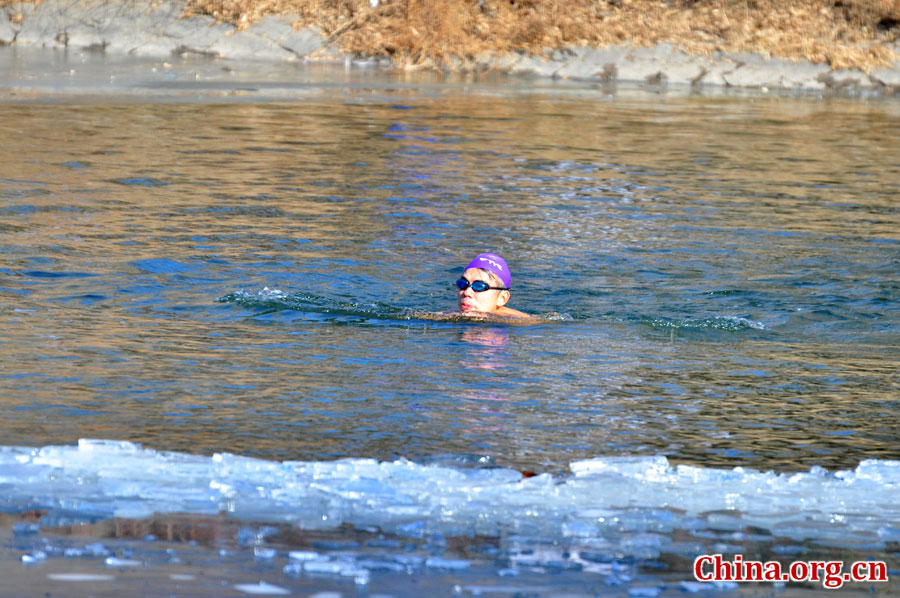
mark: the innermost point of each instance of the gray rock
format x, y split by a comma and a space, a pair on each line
16, 11
272, 38
454, 64
588, 71
45, 25
133, 25
641, 70
748, 59
662, 53
304, 42
488, 61
568, 54
81, 35
365, 62
689, 72
271, 27
593, 65
842, 80
196, 34
659, 65
85, 25
536, 66
7, 33
156, 47
774, 73
748, 76
580, 51
141, 31
97, 25
710, 75
605, 55
125, 37
162, 13
803, 75
245, 45
665, 64
887, 76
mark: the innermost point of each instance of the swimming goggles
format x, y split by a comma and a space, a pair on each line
477, 285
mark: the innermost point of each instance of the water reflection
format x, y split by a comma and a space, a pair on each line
489, 350
485, 413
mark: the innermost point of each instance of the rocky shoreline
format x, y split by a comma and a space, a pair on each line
157, 30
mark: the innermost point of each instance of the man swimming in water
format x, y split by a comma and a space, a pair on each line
484, 288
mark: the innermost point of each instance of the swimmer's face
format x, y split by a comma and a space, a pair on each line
485, 301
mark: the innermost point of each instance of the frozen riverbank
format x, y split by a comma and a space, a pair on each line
157, 31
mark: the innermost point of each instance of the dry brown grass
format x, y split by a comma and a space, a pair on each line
841, 33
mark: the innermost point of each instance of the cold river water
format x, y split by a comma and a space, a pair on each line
218, 307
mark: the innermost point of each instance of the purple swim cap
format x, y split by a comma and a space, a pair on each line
493, 263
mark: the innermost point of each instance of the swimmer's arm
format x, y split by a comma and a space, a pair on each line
476, 316
508, 312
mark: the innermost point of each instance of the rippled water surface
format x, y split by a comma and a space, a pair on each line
719, 277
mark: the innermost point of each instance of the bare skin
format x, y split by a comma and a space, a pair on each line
490, 303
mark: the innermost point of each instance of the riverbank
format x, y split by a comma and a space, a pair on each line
630, 51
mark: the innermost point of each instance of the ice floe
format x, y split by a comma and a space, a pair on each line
621, 505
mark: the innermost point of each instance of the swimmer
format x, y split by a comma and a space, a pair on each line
484, 288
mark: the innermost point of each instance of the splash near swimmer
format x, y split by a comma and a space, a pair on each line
483, 292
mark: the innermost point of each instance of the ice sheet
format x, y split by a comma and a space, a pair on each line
621, 505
